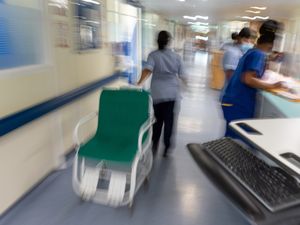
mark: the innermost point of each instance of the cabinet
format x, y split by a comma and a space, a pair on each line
266, 109
217, 73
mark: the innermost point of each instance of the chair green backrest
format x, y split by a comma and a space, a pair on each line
121, 114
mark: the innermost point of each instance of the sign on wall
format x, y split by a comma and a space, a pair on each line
58, 7
88, 24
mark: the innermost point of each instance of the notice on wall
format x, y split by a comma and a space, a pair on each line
58, 7
62, 35
88, 24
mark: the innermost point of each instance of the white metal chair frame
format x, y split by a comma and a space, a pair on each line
85, 182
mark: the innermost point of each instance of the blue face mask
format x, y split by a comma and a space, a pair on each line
245, 47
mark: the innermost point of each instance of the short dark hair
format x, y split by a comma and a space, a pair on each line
163, 39
269, 26
268, 38
234, 35
245, 33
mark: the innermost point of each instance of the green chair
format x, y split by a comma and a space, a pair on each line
110, 168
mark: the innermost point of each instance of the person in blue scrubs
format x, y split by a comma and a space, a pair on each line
233, 54
239, 99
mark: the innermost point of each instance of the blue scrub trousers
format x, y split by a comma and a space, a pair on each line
232, 113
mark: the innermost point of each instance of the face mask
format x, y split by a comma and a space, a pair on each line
245, 47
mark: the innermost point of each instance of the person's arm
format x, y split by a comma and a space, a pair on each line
230, 63
145, 74
255, 64
148, 69
250, 79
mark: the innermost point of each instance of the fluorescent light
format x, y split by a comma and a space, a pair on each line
195, 17
198, 23
201, 38
202, 17
92, 1
251, 11
248, 17
150, 24
92, 21
262, 18
255, 17
259, 8
181, 0
189, 17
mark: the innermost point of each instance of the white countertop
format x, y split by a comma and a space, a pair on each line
278, 136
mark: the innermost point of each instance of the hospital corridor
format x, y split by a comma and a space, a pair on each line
148, 112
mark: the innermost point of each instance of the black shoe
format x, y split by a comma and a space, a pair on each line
165, 155
154, 148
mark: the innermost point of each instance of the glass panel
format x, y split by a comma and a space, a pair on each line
21, 40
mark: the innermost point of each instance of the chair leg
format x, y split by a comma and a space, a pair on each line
89, 182
82, 168
116, 189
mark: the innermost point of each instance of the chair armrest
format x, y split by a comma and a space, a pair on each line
83, 120
131, 87
145, 127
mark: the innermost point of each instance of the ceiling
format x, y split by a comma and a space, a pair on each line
221, 10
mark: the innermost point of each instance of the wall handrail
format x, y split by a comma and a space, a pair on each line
18, 119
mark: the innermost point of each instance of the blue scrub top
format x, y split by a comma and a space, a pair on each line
237, 92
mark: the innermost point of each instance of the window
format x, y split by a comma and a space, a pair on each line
21, 35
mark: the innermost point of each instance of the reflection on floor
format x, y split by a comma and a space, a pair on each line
178, 192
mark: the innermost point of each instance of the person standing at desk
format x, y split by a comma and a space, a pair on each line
239, 99
228, 44
234, 52
166, 69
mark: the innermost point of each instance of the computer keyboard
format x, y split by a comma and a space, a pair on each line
272, 186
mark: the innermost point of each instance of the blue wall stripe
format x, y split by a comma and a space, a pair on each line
16, 120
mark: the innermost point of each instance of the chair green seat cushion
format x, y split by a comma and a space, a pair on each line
108, 151
121, 114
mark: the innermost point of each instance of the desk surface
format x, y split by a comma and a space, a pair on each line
278, 136
291, 83
287, 95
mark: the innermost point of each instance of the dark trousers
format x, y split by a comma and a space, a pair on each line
164, 114
232, 113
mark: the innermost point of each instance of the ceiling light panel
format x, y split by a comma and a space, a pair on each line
198, 23
196, 17
251, 11
255, 17
259, 8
